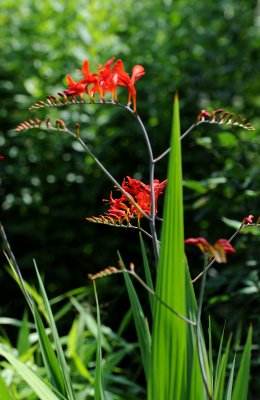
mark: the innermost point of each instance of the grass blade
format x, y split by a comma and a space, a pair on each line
23, 343
49, 358
4, 391
147, 271
230, 381
60, 354
141, 325
38, 386
99, 380
221, 373
242, 380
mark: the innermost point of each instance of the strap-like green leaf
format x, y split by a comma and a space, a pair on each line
168, 372
99, 380
141, 325
242, 380
147, 272
66, 381
39, 387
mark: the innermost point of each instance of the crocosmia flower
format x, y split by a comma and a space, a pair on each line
248, 220
218, 250
122, 210
107, 80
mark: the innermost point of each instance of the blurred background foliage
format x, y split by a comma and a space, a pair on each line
209, 52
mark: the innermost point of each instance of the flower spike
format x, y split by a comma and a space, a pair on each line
122, 210
224, 118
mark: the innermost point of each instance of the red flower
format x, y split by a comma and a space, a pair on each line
122, 209
204, 115
248, 220
75, 88
89, 79
125, 80
218, 251
142, 193
1, 157
202, 244
107, 80
137, 73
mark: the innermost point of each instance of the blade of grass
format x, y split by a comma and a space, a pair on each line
49, 358
23, 343
242, 380
39, 387
195, 381
99, 379
48, 355
5, 393
91, 324
218, 361
230, 381
56, 339
72, 350
141, 325
211, 366
221, 374
147, 271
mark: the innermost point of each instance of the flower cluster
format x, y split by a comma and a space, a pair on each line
108, 78
222, 117
218, 250
123, 210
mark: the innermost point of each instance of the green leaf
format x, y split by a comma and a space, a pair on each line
23, 342
5, 393
147, 272
230, 381
39, 387
173, 343
91, 324
221, 370
195, 381
141, 325
99, 380
218, 361
49, 358
72, 345
66, 381
242, 380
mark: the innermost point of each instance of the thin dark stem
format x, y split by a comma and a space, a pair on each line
152, 194
137, 277
181, 138
107, 173
198, 334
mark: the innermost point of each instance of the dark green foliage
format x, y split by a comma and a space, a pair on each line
206, 50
